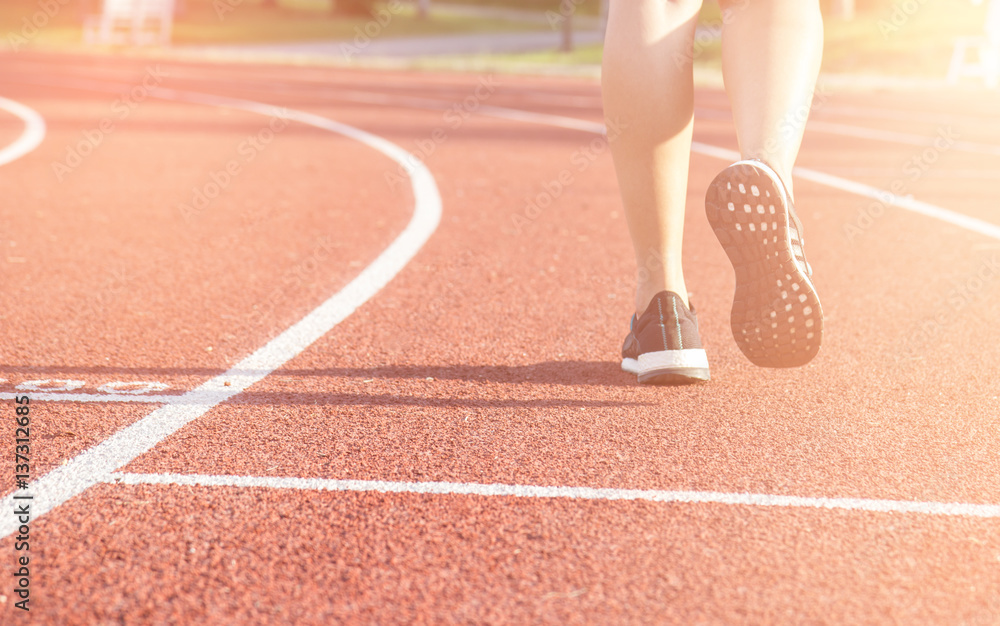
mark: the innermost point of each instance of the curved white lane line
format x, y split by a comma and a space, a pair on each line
104, 456
95, 465
31, 137
886, 197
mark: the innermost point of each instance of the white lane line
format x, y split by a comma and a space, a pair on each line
867, 191
877, 134
887, 198
892, 136
106, 469
952, 509
95, 464
832, 128
842, 184
30, 138
902, 202
572, 123
94, 397
517, 115
893, 172
900, 115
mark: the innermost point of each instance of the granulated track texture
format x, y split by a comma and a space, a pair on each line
489, 362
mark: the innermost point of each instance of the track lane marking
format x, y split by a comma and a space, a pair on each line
94, 464
594, 102
108, 475
872, 134
950, 509
891, 136
831, 128
976, 225
888, 198
30, 138
897, 115
842, 184
95, 397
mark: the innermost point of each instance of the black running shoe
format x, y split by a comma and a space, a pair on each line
777, 319
663, 346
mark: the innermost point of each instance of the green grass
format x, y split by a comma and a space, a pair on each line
870, 44
919, 44
581, 55
255, 24
249, 22
583, 7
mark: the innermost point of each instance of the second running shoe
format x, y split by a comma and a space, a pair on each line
777, 319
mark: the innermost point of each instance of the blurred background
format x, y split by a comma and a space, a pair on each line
907, 38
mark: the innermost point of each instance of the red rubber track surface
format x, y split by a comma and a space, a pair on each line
491, 358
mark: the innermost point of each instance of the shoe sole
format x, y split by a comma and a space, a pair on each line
777, 319
630, 365
669, 367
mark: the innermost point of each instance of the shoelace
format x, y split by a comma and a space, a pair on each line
798, 243
794, 225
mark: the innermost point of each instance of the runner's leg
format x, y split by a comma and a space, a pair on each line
648, 105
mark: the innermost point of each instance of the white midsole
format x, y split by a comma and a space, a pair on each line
630, 365
672, 359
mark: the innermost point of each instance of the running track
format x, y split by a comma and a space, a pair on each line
241, 425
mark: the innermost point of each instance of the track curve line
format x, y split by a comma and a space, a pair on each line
95, 465
33, 135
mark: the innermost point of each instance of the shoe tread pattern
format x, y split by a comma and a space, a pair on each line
777, 319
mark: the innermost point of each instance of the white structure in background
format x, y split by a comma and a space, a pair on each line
137, 22
987, 51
